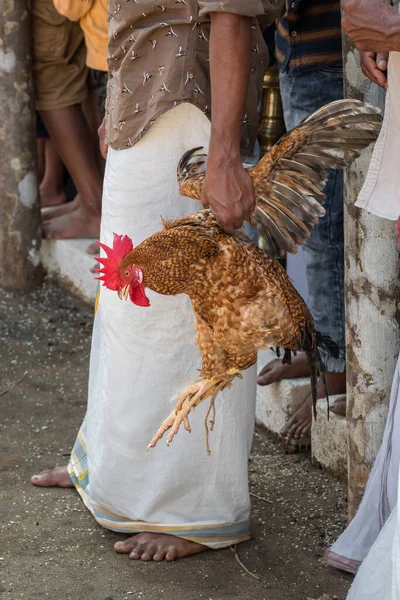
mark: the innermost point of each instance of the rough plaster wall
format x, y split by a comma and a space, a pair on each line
372, 296
20, 234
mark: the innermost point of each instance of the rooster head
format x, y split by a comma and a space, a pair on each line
126, 279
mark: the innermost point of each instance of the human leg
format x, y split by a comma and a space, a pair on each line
141, 358
60, 75
302, 94
51, 188
70, 132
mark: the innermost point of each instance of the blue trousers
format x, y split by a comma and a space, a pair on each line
302, 93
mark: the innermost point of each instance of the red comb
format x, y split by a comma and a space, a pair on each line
122, 245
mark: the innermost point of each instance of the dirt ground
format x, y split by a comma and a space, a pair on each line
50, 547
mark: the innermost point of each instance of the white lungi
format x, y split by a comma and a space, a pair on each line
142, 358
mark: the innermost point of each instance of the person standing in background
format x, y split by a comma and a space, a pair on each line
60, 77
93, 20
309, 55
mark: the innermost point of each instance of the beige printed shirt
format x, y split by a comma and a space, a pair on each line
159, 58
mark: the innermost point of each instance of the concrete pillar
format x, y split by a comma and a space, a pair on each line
20, 234
372, 299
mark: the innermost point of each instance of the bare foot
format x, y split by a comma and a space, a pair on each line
157, 546
93, 249
299, 425
339, 406
62, 209
57, 477
77, 224
276, 371
47, 200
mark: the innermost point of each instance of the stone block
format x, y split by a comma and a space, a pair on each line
329, 441
68, 261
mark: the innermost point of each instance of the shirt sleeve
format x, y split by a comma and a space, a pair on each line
247, 8
74, 10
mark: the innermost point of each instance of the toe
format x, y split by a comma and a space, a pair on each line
265, 379
149, 552
93, 248
305, 431
172, 554
125, 547
264, 376
292, 431
160, 555
137, 552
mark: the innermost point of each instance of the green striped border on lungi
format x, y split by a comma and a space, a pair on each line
212, 535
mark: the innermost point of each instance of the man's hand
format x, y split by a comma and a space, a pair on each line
228, 190
102, 139
373, 25
374, 66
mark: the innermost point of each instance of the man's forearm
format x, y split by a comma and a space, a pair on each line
227, 188
373, 25
230, 48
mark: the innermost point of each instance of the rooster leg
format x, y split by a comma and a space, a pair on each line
188, 400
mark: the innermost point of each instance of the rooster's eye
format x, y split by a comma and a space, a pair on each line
127, 273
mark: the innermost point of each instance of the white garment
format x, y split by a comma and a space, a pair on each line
142, 358
380, 194
380, 495
379, 575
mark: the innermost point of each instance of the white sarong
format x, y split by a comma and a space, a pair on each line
141, 359
380, 194
374, 534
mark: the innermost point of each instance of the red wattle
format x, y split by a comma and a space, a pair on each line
137, 295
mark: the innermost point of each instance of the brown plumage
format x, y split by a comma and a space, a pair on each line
289, 180
242, 298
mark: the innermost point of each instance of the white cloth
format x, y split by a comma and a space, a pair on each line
380, 495
379, 575
142, 358
380, 194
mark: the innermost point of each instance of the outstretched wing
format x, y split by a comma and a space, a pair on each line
290, 179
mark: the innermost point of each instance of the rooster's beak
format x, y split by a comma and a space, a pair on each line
123, 293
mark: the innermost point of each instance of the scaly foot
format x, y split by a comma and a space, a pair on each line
276, 370
56, 477
188, 400
157, 547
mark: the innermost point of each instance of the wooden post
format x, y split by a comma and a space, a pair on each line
372, 302
20, 233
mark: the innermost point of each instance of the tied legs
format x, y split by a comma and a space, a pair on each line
188, 400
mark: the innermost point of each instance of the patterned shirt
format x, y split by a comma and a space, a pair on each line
309, 34
159, 58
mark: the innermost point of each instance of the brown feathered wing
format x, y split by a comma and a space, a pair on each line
290, 179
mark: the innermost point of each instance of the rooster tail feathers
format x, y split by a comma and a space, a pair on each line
315, 342
324, 342
191, 171
314, 363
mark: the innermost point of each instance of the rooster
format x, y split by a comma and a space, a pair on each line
242, 298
